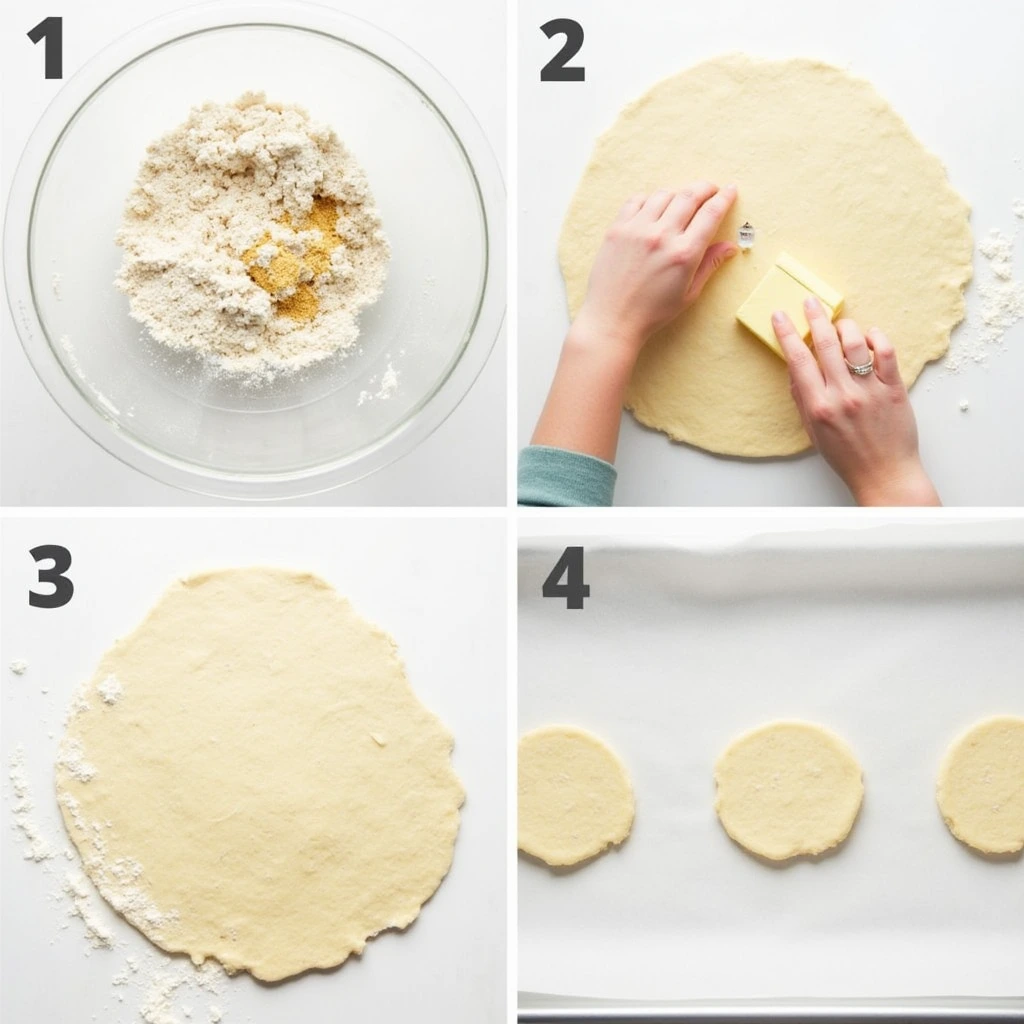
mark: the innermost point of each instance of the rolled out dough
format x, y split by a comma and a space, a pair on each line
248, 776
788, 789
575, 799
981, 785
828, 172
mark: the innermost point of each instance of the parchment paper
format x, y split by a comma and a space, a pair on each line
897, 644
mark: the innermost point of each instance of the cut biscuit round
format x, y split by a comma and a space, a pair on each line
575, 797
980, 787
788, 789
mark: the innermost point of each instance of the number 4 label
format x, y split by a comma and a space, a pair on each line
574, 590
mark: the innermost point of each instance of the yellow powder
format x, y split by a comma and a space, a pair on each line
302, 305
286, 270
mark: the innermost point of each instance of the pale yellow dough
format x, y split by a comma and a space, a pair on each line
828, 172
981, 785
575, 798
788, 789
248, 776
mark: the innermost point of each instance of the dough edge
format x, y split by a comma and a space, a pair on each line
63, 777
593, 851
809, 851
942, 782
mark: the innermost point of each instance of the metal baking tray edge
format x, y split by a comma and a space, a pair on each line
536, 1008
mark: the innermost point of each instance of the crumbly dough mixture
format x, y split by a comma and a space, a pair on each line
575, 797
788, 789
251, 237
828, 172
981, 785
248, 776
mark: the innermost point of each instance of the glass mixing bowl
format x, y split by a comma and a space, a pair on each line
170, 414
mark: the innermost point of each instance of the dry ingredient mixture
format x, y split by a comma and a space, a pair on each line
252, 238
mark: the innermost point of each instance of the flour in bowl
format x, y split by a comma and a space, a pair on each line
252, 238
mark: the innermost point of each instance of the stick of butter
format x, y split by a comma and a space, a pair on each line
785, 287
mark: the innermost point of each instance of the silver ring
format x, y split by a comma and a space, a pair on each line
860, 371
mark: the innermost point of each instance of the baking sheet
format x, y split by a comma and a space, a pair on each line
898, 644
540, 1009
437, 585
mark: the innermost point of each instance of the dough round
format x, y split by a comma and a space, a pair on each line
248, 776
575, 799
981, 785
827, 172
788, 789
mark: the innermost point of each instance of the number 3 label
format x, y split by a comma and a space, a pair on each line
63, 588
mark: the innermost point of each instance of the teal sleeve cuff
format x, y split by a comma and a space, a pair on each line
555, 477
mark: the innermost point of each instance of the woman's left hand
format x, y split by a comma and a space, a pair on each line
862, 424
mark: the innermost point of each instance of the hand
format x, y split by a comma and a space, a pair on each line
862, 425
653, 263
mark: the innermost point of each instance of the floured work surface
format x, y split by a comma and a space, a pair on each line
673, 656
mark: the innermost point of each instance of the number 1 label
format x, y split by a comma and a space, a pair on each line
52, 30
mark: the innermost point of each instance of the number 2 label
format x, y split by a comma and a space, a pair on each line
555, 70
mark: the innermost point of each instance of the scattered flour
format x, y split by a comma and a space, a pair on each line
119, 881
251, 237
37, 846
69, 351
1018, 208
55, 285
1001, 305
110, 690
388, 386
76, 368
19, 666
176, 977
1002, 296
72, 758
964, 405
78, 891
998, 249
388, 383
163, 989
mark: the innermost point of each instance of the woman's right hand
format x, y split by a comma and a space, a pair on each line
863, 425
653, 263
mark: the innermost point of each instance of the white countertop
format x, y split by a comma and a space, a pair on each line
953, 72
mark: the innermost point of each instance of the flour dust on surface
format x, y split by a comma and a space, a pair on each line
151, 986
1000, 302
